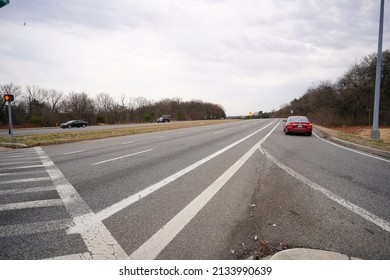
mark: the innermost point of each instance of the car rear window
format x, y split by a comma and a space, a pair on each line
299, 119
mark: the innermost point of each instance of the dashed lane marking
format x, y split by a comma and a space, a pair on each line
74, 152
154, 245
120, 205
121, 157
127, 143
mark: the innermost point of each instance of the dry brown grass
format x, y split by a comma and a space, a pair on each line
77, 135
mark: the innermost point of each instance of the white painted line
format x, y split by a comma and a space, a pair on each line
27, 166
125, 156
127, 143
153, 247
31, 204
22, 173
28, 190
218, 132
160, 137
83, 256
15, 154
19, 162
111, 210
21, 156
33, 228
352, 150
18, 181
75, 152
97, 238
385, 225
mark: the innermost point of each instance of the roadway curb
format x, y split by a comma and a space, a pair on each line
355, 146
370, 150
309, 254
13, 145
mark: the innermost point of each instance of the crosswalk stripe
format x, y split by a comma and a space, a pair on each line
32, 228
31, 204
27, 190
16, 181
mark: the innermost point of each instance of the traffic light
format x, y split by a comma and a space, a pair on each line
8, 97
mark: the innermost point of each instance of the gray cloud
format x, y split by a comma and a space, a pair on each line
242, 53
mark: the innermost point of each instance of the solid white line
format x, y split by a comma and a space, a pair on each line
218, 132
153, 247
111, 210
75, 152
352, 150
31, 204
385, 225
33, 228
17, 181
160, 137
112, 159
99, 241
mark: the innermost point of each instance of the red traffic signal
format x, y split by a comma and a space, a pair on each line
8, 97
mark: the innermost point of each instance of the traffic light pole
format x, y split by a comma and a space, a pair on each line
11, 134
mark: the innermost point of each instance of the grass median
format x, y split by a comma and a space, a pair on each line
76, 135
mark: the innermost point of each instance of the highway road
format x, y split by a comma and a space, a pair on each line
222, 191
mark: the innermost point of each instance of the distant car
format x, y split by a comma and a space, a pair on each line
164, 118
74, 123
298, 124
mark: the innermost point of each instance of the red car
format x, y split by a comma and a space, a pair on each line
298, 124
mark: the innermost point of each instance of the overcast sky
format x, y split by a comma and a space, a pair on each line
246, 55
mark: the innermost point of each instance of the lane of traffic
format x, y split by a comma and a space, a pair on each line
133, 174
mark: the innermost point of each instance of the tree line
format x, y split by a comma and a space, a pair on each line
37, 106
349, 100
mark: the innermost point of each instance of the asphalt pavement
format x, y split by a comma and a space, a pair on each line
295, 253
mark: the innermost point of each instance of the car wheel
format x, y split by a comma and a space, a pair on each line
308, 134
69, 126
83, 125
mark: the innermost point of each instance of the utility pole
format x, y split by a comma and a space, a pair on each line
375, 134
